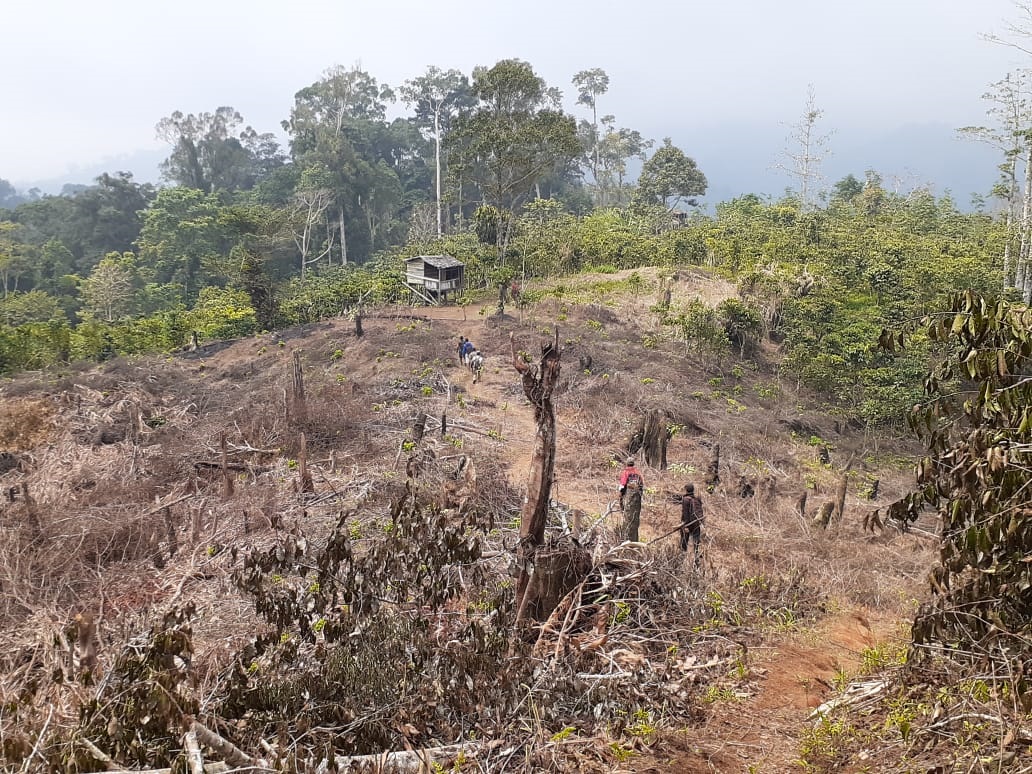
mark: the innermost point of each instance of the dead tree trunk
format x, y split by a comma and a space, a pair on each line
419, 427
840, 493
654, 440
306, 483
227, 480
824, 514
840, 497
713, 469
538, 385
298, 403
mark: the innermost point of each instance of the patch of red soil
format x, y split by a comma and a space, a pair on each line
764, 731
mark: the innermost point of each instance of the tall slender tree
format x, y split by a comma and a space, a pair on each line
1010, 132
591, 84
806, 149
438, 97
339, 124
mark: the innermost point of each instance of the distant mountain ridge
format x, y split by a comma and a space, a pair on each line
737, 158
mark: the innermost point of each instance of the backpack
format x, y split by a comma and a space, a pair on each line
633, 483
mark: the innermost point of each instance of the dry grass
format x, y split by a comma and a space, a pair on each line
112, 447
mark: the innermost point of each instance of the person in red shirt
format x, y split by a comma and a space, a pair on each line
632, 486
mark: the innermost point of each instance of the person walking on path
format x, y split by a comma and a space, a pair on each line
691, 521
462, 348
632, 485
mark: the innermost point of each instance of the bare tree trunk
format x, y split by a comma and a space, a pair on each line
307, 485
1010, 223
654, 440
840, 497
538, 385
1022, 279
840, 493
713, 469
298, 403
227, 480
419, 426
343, 241
437, 165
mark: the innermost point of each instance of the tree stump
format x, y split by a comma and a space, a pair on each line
823, 517
632, 515
654, 440
713, 469
547, 571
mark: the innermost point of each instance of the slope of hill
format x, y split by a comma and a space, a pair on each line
329, 575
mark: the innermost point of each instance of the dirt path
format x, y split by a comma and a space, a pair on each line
763, 733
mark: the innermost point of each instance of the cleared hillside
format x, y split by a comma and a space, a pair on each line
193, 503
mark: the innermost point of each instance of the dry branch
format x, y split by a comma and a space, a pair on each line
194, 759
222, 747
403, 761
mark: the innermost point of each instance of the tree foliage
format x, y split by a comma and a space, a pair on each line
670, 177
977, 423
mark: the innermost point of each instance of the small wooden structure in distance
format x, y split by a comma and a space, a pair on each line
432, 277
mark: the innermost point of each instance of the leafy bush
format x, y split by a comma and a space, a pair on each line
223, 313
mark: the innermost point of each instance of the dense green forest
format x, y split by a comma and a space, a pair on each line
247, 236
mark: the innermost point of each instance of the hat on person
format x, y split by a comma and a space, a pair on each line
630, 460
689, 488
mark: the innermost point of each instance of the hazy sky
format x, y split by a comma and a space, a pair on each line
85, 81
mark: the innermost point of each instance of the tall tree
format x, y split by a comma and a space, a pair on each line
311, 200
1011, 114
14, 260
211, 153
669, 178
616, 148
108, 291
439, 97
339, 124
515, 138
9, 196
591, 84
184, 237
806, 150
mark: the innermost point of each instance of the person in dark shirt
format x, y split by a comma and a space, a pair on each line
691, 521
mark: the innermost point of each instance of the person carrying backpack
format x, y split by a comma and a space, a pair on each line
632, 486
692, 519
466, 351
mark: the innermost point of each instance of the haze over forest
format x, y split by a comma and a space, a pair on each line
894, 80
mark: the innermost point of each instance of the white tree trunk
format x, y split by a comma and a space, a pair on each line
437, 164
343, 241
1022, 279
